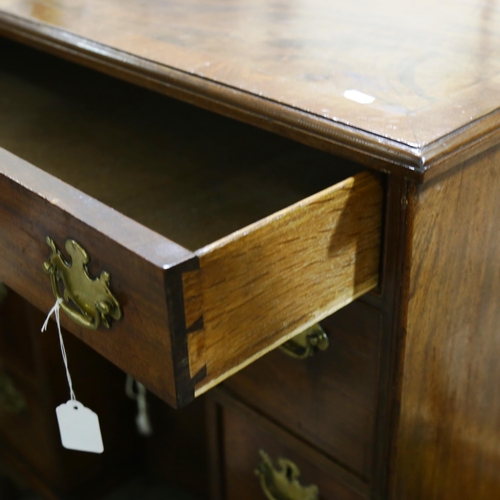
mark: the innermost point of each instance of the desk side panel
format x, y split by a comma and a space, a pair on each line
448, 441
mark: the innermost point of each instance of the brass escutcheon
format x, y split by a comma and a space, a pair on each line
283, 484
88, 302
305, 344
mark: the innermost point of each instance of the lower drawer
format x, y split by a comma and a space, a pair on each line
328, 399
259, 464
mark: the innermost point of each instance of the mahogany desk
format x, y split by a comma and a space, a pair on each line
353, 178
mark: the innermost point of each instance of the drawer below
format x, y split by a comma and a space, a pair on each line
329, 399
259, 464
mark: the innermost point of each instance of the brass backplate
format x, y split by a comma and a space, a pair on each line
282, 483
88, 301
306, 343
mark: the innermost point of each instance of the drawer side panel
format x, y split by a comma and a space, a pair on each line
265, 283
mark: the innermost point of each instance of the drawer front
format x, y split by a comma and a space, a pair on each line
34, 205
191, 320
27, 426
253, 469
329, 398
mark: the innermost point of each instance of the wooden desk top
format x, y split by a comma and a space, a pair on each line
427, 73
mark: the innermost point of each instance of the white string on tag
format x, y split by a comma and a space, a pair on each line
79, 426
142, 420
55, 310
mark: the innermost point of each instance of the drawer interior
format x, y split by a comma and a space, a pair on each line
282, 235
186, 173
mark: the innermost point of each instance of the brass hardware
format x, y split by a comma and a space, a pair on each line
305, 344
92, 298
11, 400
283, 484
3, 292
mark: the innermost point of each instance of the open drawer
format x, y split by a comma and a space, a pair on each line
221, 241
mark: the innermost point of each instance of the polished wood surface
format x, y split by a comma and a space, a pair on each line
176, 452
348, 212
246, 432
430, 68
330, 399
448, 443
33, 205
178, 312
187, 174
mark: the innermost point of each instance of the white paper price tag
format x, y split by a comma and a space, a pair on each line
79, 427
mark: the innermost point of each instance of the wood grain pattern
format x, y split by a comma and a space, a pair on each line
330, 399
33, 436
193, 301
185, 173
245, 432
448, 442
270, 280
431, 68
215, 462
397, 221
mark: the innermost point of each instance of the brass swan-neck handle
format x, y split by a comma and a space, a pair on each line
307, 343
87, 301
283, 483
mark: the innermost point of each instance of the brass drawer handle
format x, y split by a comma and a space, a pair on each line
92, 299
305, 344
283, 484
11, 400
